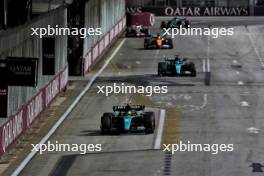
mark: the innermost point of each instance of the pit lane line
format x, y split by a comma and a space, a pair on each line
158, 138
208, 53
67, 112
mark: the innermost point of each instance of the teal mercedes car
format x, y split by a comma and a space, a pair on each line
128, 118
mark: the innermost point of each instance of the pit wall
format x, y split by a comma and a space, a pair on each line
105, 14
26, 103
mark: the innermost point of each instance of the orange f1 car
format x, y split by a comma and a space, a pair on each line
158, 42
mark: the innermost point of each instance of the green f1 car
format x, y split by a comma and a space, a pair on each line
128, 118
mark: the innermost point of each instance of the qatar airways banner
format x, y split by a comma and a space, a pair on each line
25, 116
192, 11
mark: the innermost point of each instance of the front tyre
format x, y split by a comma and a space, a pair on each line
161, 69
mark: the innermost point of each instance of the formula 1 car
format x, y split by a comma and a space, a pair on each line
176, 67
158, 42
175, 23
137, 31
128, 118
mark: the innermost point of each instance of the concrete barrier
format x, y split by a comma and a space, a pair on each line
22, 120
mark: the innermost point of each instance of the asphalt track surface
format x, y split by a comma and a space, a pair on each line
229, 111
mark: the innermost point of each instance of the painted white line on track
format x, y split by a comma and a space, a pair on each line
157, 143
66, 113
253, 130
244, 104
208, 53
208, 65
255, 48
204, 69
240, 83
235, 62
205, 101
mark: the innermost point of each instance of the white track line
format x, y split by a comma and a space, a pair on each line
157, 143
204, 68
208, 65
66, 113
208, 53
255, 48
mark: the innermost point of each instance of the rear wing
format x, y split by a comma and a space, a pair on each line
129, 108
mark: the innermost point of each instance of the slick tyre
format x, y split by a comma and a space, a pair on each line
106, 123
149, 122
192, 70
146, 43
161, 69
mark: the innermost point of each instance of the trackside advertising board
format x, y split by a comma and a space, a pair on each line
29, 112
192, 11
21, 71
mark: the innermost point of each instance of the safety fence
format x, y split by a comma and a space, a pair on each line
102, 45
110, 17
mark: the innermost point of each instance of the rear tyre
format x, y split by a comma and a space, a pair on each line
146, 42
149, 122
192, 70
106, 123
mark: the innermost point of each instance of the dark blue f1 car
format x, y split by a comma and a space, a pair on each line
128, 118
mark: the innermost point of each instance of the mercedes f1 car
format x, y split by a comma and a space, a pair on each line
176, 67
128, 118
175, 23
137, 31
158, 42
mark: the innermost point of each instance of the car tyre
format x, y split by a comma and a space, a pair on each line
149, 122
161, 68
192, 70
146, 42
106, 122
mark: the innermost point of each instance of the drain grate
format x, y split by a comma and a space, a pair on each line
256, 167
167, 163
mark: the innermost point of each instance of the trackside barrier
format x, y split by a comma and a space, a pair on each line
102, 45
29, 112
